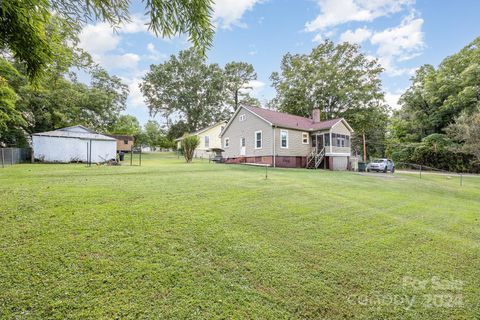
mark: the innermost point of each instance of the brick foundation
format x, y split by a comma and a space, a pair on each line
281, 161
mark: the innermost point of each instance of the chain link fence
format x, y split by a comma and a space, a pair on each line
11, 156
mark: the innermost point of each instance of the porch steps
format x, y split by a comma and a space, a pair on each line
315, 158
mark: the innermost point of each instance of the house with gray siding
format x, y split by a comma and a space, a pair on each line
262, 136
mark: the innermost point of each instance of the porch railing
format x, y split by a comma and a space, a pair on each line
315, 157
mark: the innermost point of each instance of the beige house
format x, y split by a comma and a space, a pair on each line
209, 139
257, 135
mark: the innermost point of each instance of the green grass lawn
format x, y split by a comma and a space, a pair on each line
170, 240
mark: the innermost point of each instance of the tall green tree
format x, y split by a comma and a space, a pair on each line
126, 124
437, 97
55, 101
342, 82
440, 100
466, 131
24, 25
237, 78
177, 130
54, 104
186, 86
370, 124
154, 133
10, 117
332, 77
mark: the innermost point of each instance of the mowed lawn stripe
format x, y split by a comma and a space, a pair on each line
176, 240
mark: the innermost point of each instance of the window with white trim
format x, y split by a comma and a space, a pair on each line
284, 139
242, 117
207, 141
340, 140
304, 137
227, 142
258, 139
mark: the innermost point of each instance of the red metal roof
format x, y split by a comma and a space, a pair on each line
291, 121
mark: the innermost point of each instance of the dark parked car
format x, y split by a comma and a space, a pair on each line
381, 165
218, 159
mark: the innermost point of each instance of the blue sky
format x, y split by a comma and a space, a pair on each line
402, 34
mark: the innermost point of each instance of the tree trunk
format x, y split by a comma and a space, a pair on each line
364, 149
236, 100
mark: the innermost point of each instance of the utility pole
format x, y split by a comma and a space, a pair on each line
364, 149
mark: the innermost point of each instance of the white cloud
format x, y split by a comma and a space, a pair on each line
255, 88
135, 97
103, 44
318, 38
391, 46
253, 50
400, 43
392, 100
256, 84
336, 12
401, 40
358, 36
229, 12
136, 24
98, 38
154, 54
119, 61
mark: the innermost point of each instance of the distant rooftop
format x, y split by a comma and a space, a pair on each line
121, 137
204, 129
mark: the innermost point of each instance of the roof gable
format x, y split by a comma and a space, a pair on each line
77, 128
235, 115
121, 137
80, 132
213, 126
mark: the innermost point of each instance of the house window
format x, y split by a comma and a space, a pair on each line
339, 140
242, 117
283, 139
326, 138
207, 141
125, 141
227, 142
304, 137
347, 141
258, 139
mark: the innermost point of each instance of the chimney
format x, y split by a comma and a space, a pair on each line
316, 115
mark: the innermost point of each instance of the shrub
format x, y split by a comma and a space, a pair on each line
189, 143
435, 150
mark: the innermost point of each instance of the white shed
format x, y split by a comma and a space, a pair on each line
73, 144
